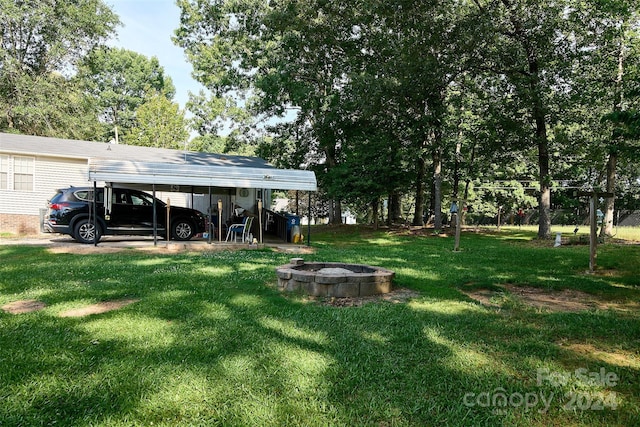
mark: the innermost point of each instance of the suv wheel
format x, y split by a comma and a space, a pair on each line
182, 230
84, 231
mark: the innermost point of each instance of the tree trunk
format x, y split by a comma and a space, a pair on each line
375, 214
456, 171
465, 195
335, 210
432, 202
394, 214
470, 172
542, 141
437, 188
421, 167
544, 201
607, 224
538, 112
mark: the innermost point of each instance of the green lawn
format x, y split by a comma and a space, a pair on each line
211, 341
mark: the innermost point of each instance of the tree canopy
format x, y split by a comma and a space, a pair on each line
418, 98
158, 123
505, 104
59, 79
41, 42
120, 81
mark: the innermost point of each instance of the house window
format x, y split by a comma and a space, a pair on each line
23, 173
4, 172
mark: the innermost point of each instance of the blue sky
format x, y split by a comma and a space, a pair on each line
147, 27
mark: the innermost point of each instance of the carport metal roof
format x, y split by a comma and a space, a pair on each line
199, 176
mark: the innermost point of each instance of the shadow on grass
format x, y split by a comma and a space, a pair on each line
212, 342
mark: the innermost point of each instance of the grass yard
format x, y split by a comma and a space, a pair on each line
207, 339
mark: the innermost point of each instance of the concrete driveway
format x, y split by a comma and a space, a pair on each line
65, 244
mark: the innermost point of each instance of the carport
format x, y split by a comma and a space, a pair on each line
198, 175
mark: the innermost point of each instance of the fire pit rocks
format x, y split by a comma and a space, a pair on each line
333, 279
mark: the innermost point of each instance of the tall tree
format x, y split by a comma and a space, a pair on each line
159, 123
380, 77
286, 54
528, 45
121, 81
419, 49
614, 69
41, 42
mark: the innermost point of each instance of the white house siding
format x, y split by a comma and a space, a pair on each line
49, 175
21, 210
54, 173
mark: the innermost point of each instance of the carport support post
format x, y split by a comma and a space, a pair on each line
209, 224
309, 222
219, 220
155, 218
95, 216
260, 218
167, 227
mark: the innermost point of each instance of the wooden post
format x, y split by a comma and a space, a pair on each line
593, 224
593, 236
457, 210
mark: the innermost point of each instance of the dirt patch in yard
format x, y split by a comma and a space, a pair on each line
101, 307
28, 306
83, 249
484, 296
617, 358
396, 296
566, 300
295, 249
23, 306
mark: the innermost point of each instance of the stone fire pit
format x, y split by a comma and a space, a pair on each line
333, 279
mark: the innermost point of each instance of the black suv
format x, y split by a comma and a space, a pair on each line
129, 212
